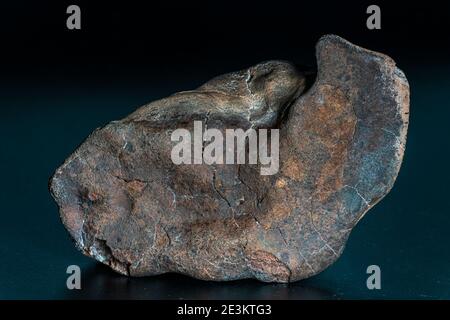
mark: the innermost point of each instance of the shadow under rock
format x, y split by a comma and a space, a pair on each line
99, 282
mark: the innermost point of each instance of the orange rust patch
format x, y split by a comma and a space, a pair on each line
334, 122
267, 263
161, 238
280, 211
93, 196
281, 183
292, 169
73, 220
135, 187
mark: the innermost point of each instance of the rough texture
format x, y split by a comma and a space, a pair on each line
341, 145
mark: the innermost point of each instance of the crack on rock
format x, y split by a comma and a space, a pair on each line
326, 244
359, 194
130, 180
267, 267
255, 218
306, 261
102, 252
206, 120
240, 178
282, 236
261, 199
220, 193
248, 79
174, 196
168, 237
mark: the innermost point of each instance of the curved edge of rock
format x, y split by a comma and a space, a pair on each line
383, 106
352, 123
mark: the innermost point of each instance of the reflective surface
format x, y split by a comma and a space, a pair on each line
99, 281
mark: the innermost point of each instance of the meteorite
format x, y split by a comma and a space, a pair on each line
341, 144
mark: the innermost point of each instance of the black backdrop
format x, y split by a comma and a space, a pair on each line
57, 85
150, 40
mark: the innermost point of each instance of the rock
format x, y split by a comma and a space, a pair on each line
126, 204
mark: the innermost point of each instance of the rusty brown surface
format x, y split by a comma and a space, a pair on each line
342, 140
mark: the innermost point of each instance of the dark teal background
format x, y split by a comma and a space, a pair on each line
55, 91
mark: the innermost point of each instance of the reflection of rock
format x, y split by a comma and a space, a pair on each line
101, 283
341, 145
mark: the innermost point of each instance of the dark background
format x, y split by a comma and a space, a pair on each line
57, 85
